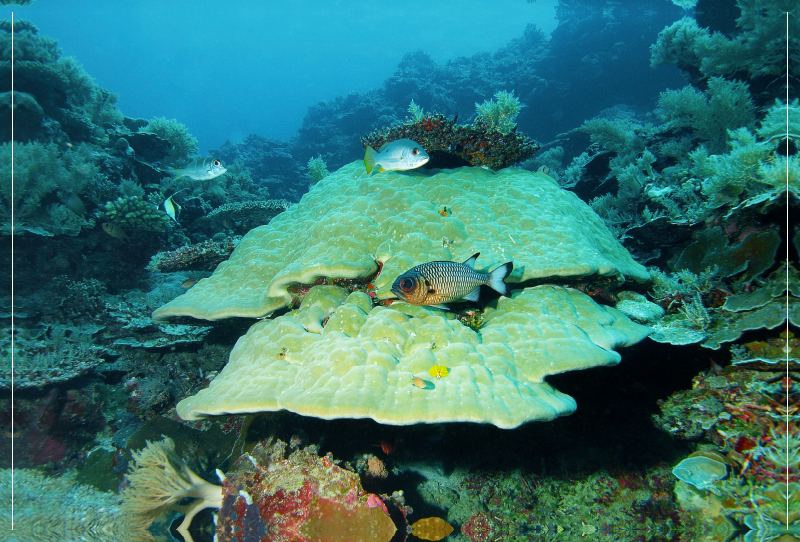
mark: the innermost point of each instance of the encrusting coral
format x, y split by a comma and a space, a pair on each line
302, 497
349, 221
338, 358
450, 144
349, 226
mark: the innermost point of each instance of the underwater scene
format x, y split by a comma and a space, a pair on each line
523, 270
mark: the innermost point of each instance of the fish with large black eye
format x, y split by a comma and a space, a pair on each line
434, 283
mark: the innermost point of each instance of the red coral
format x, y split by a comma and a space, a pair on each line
478, 528
452, 145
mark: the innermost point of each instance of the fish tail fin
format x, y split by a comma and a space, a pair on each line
369, 159
497, 276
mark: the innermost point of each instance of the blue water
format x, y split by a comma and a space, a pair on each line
229, 69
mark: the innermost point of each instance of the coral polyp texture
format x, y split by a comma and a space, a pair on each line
340, 357
484, 144
337, 357
350, 221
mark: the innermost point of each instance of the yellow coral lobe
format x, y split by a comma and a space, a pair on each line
438, 371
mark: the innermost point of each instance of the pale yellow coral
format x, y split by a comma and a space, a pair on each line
361, 362
350, 221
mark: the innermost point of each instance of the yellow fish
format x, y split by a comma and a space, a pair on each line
418, 382
114, 231
438, 371
172, 208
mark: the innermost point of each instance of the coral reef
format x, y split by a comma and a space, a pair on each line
756, 443
182, 143
317, 169
488, 143
247, 215
41, 172
158, 481
699, 311
57, 508
134, 213
292, 362
271, 164
500, 115
348, 222
756, 50
51, 430
73, 108
301, 497
49, 354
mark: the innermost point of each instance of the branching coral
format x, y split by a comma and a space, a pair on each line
317, 169
499, 115
159, 480
134, 213
724, 106
759, 49
39, 171
183, 143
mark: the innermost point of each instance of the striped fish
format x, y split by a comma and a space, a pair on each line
434, 283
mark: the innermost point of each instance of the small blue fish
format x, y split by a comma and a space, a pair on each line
201, 169
700, 471
399, 155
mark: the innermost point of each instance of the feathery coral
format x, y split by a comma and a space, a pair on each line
158, 481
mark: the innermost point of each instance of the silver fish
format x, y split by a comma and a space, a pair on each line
434, 283
201, 169
399, 155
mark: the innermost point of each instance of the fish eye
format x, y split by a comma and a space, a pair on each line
217, 163
415, 151
407, 284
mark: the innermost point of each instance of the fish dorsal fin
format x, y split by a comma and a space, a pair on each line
471, 260
383, 147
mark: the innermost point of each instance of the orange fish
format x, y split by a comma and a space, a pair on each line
431, 529
418, 382
114, 231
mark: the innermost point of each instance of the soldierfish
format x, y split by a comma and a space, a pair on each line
398, 155
201, 169
434, 283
